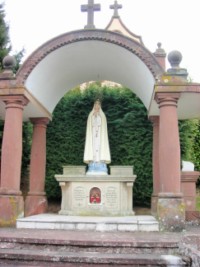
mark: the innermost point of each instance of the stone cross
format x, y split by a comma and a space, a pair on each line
116, 6
90, 8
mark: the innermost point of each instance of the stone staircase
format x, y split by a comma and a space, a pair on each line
31, 251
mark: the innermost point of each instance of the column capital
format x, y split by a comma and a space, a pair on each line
14, 101
190, 176
167, 99
40, 121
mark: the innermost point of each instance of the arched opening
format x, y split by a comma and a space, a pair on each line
81, 56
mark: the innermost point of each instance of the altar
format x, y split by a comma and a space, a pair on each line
97, 195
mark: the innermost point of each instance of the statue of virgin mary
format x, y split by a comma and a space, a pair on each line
97, 151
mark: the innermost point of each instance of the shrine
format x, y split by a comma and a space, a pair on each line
44, 78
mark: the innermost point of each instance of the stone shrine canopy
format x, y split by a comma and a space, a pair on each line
114, 54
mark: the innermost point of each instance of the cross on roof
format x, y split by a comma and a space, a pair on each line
90, 8
116, 6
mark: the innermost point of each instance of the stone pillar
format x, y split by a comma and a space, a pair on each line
11, 199
155, 163
36, 201
171, 208
188, 188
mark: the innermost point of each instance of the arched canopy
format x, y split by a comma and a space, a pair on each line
81, 56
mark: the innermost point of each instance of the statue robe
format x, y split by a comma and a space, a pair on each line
103, 146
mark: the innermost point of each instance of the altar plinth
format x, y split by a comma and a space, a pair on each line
97, 195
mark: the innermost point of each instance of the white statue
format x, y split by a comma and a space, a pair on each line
97, 151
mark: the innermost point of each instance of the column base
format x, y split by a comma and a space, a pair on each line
11, 209
192, 216
154, 203
35, 204
171, 212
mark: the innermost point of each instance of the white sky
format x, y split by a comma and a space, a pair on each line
174, 23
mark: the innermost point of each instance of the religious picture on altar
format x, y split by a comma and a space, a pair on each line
95, 195
97, 150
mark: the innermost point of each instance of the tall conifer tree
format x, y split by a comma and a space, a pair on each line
5, 45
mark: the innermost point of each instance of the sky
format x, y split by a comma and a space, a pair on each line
174, 23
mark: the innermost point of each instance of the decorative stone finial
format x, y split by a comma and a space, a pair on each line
9, 62
160, 51
175, 58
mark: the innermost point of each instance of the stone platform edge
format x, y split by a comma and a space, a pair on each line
86, 223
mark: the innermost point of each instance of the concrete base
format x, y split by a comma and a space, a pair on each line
103, 224
171, 212
11, 208
35, 204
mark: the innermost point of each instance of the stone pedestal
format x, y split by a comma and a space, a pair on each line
12, 208
171, 212
97, 195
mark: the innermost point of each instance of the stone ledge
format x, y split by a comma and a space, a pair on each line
96, 178
101, 224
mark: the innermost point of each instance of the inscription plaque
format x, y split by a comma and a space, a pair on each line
79, 196
112, 197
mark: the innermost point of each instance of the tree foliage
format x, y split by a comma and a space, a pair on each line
5, 45
196, 146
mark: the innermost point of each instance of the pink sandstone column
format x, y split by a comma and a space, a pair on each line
11, 200
169, 146
155, 163
36, 201
171, 209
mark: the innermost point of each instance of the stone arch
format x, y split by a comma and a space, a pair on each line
55, 65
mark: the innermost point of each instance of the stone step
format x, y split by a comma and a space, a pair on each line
30, 247
102, 259
88, 223
147, 248
88, 243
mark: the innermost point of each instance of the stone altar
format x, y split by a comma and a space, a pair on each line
97, 195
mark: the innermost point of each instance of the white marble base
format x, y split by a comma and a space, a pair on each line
102, 224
